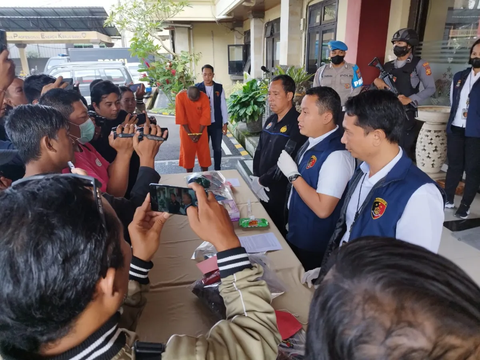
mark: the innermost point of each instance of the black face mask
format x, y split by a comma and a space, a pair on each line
400, 51
475, 62
337, 59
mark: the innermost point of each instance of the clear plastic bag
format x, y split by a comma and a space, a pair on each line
207, 288
204, 251
212, 181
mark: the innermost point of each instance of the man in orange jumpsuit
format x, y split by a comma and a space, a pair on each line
192, 109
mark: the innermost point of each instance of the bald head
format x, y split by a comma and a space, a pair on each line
193, 93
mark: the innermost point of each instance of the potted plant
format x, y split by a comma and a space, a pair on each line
248, 105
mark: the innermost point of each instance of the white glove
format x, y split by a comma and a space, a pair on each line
287, 165
259, 189
310, 276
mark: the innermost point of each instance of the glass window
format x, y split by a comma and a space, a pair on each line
321, 29
451, 27
329, 13
115, 75
61, 72
87, 76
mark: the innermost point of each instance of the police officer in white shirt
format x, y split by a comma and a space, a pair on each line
388, 195
319, 176
463, 134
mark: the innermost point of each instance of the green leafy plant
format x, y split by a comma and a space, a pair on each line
145, 19
299, 75
247, 104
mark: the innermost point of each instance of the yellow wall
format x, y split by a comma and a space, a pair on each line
211, 40
436, 19
272, 14
399, 11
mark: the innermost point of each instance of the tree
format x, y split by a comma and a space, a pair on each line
145, 19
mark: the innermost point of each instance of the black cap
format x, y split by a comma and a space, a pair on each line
410, 36
7, 155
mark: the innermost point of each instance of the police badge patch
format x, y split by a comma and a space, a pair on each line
283, 129
311, 162
378, 208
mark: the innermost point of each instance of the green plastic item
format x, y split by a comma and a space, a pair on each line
249, 223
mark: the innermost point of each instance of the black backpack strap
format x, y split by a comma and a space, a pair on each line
148, 351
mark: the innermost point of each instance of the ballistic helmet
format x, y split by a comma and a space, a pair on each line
410, 36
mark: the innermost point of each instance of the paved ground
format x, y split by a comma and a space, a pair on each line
166, 161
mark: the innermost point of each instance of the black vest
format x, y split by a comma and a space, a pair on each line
401, 76
217, 92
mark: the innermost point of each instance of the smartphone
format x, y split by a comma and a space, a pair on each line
134, 87
172, 199
69, 81
3, 40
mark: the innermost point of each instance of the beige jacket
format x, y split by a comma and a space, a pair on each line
250, 331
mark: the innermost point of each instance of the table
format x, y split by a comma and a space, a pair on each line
171, 306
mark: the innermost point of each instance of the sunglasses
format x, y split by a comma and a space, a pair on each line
86, 181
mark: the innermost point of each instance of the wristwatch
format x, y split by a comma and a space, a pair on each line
292, 178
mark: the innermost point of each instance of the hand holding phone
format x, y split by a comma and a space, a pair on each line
134, 87
211, 222
172, 199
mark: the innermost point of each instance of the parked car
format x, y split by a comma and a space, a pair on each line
55, 60
84, 73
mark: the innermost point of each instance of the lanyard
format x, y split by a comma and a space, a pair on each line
360, 194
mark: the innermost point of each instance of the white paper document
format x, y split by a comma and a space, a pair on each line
234, 182
260, 243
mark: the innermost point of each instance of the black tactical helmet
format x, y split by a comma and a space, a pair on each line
408, 35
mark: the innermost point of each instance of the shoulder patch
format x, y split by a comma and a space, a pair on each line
427, 68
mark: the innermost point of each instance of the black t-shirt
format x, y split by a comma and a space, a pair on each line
272, 141
174, 207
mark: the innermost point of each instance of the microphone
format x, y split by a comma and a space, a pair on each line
289, 148
265, 70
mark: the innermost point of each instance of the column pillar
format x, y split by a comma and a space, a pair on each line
257, 34
290, 32
23, 58
366, 38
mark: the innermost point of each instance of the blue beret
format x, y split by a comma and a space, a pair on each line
337, 45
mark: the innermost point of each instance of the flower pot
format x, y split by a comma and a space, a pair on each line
431, 150
255, 127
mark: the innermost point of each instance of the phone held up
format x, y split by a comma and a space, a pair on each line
134, 87
172, 199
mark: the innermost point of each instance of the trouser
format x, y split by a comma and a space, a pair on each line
215, 134
310, 259
276, 207
411, 129
463, 154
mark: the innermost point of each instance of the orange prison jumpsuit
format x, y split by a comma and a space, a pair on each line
193, 114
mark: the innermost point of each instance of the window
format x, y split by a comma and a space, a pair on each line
87, 76
115, 75
272, 35
322, 24
61, 72
237, 56
447, 31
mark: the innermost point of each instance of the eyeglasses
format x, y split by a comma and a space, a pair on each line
86, 181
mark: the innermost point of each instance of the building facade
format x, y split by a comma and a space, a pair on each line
236, 35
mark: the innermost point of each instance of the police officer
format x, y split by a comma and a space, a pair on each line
279, 128
408, 73
388, 195
318, 176
343, 77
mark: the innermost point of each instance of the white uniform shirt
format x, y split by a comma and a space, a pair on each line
336, 171
422, 220
223, 104
459, 120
